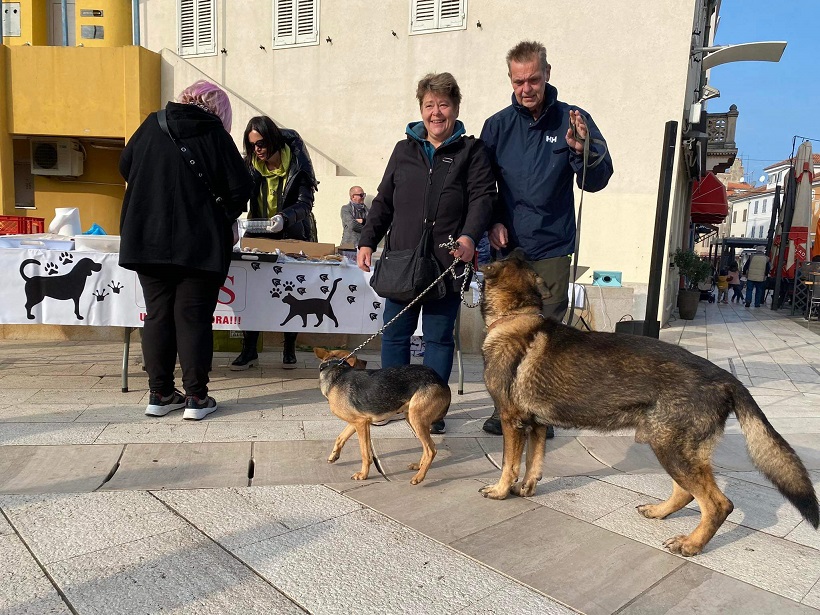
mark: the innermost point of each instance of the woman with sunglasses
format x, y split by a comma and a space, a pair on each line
283, 189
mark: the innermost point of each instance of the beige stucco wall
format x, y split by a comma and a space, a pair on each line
625, 61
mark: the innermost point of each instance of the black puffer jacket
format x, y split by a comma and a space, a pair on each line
168, 215
297, 194
465, 200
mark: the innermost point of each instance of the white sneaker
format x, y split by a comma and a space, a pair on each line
396, 417
196, 409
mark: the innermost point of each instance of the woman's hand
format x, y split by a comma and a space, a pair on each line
363, 258
465, 250
277, 223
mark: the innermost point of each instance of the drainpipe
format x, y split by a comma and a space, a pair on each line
135, 20
64, 7
1, 24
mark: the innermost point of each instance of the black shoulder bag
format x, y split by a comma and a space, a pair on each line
189, 158
402, 275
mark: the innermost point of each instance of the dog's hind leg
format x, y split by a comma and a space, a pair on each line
535, 460
77, 308
421, 412
692, 471
680, 497
340, 442
514, 440
363, 432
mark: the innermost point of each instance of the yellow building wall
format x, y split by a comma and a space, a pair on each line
33, 24
115, 21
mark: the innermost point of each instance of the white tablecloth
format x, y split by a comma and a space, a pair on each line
256, 296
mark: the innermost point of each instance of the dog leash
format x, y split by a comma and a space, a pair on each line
468, 269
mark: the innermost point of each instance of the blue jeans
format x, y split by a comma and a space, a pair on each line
437, 321
759, 289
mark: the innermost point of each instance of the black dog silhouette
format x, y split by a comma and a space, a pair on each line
68, 286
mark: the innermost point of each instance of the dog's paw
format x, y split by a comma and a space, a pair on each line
413, 466
66, 258
416, 479
359, 476
494, 492
682, 545
333, 457
525, 489
650, 511
51, 268
274, 294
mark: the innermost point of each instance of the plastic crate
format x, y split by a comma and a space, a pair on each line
21, 225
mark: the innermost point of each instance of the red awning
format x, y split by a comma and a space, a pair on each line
709, 202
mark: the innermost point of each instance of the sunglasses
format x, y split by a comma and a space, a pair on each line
361, 194
261, 144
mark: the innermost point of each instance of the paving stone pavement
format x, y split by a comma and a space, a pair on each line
105, 510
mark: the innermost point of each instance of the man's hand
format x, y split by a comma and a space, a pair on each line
498, 236
576, 138
363, 258
465, 250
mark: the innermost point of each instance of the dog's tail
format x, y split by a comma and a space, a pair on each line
28, 261
773, 456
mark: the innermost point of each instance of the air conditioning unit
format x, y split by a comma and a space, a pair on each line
61, 157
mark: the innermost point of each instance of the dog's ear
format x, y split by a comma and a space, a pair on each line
541, 287
321, 353
360, 364
518, 255
351, 361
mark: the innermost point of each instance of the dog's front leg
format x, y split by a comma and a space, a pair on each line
340, 442
363, 432
535, 460
514, 439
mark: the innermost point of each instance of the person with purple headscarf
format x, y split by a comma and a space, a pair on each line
176, 230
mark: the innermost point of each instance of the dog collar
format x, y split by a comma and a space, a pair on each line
509, 317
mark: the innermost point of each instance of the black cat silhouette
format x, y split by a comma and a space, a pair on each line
320, 307
68, 286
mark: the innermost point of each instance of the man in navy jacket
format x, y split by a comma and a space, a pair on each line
536, 148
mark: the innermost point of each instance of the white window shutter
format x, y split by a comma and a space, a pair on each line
197, 27
423, 15
205, 26
284, 26
307, 23
451, 14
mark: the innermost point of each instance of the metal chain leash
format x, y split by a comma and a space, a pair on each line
468, 268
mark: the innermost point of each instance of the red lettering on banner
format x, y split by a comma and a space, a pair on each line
231, 295
142, 316
226, 320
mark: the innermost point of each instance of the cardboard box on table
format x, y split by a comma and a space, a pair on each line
288, 246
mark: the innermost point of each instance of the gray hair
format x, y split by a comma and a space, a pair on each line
526, 51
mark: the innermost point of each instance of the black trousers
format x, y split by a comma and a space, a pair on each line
180, 306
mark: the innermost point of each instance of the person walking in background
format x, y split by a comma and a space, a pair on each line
436, 163
283, 189
178, 238
354, 213
756, 271
723, 286
734, 282
536, 147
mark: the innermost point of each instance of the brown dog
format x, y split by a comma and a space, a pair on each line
540, 372
361, 397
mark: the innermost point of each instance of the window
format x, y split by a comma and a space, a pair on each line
744, 215
437, 15
756, 202
734, 217
197, 27
295, 23
752, 234
764, 206
761, 231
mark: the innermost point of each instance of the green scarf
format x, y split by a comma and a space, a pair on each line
270, 191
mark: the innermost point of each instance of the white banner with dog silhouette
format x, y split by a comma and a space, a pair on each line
90, 288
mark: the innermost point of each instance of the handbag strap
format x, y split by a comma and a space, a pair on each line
186, 154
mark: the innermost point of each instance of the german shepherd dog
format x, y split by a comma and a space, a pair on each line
540, 372
361, 396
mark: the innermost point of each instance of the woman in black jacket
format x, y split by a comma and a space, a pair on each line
283, 187
179, 239
438, 165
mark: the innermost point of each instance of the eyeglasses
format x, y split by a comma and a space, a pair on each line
261, 144
361, 194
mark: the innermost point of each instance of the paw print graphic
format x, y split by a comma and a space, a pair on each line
51, 268
274, 293
276, 282
288, 286
66, 258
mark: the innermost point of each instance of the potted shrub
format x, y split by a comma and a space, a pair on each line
694, 271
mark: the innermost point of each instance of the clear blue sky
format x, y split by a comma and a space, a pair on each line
776, 100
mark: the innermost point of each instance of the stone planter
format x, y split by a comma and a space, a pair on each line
688, 303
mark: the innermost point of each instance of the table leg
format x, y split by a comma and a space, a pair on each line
126, 347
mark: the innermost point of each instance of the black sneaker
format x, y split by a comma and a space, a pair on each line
438, 427
492, 425
289, 360
160, 406
244, 361
196, 408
